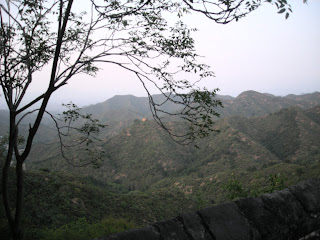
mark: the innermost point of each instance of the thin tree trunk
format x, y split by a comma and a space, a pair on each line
6, 171
5, 192
17, 231
15, 221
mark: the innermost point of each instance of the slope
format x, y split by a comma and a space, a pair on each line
144, 154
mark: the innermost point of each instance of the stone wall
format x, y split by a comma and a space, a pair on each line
293, 213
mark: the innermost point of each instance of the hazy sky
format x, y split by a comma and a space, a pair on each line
265, 52
262, 52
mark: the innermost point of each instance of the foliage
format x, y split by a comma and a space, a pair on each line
235, 189
83, 230
137, 39
82, 136
276, 182
80, 229
241, 145
58, 199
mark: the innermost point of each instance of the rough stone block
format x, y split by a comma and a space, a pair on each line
171, 230
194, 227
280, 215
289, 218
293, 213
308, 194
225, 222
259, 217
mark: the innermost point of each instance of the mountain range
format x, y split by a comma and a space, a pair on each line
126, 108
247, 104
139, 154
264, 143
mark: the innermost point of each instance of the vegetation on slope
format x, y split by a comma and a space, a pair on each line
54, 200
142, 155
145, 177
66, 206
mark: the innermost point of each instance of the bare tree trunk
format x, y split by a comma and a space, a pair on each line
17, 231
4, 186
6, 170
15, 223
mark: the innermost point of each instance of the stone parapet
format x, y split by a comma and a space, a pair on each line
293, 213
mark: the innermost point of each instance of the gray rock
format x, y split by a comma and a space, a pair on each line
289, 218
195, 227
293, 213
308, 194
226, 222
172, 230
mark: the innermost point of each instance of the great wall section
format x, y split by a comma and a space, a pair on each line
293, 213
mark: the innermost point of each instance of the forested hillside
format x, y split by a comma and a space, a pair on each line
251, 103
142, 153
120, 111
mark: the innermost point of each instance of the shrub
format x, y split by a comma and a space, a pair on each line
83, 230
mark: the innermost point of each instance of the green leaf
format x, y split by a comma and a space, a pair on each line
282, 10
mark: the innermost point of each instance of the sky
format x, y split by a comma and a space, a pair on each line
265, 52
262, 52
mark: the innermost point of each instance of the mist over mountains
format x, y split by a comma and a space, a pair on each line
120, 112
257, 131
247, 104
265, 143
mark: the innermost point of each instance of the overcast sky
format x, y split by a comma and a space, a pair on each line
262, 52
265, 52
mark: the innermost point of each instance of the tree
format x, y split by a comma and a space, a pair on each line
38, 34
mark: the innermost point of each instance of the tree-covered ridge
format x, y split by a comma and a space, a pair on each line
65, 40
290, 135
145, 177
71, 206
246, 104
55, 200
120, 111
142, 154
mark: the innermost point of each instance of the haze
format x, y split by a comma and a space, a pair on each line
262, 52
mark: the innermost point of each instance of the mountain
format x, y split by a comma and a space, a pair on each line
146, 177
143, 154
247, 104
289, 134
4, 119
128, 107
251, 103
45, 133
120, 108
119, 112
139, 153
57, 203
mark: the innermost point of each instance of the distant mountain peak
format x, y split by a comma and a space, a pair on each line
252, 93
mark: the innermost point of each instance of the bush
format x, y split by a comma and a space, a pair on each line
234, 189
83, 230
